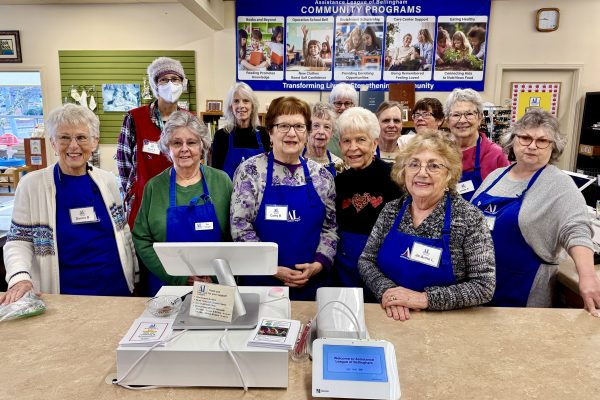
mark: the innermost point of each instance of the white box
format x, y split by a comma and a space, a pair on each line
197, 359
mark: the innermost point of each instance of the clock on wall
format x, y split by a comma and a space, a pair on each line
546, 19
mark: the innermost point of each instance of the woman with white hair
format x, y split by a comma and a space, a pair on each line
186, 203
535, 212
138, 155
361, 193
68, 232
323, 117
242, 137
464, 112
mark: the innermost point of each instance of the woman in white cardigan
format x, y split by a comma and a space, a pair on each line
68, 232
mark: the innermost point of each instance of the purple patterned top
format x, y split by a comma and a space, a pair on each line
249, 185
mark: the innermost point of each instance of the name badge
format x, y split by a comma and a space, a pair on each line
203, 226
426, 254
83, 215
465, 187
491, 221
150, 147
276, 213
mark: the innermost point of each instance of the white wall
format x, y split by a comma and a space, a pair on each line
45, 29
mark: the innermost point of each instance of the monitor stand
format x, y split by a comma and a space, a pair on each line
248, 321
245, 308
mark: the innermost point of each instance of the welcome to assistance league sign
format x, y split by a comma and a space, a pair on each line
313, 44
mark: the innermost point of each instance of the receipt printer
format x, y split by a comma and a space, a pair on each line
341, 313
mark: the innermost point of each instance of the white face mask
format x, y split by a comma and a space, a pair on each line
170, 92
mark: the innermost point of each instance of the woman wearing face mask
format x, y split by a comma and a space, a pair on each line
138, 156
242, 137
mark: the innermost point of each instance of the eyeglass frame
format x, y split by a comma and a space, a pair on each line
165, 81
452, 116
427, 166
295, 126
532, 140
179, 145
80, 139
418, 115
346, 104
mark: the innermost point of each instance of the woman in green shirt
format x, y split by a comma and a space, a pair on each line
188, 202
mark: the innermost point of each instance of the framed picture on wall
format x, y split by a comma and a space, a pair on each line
120, 96
214, 105
527, 95
10, 47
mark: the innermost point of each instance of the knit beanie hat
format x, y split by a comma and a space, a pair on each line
161, 67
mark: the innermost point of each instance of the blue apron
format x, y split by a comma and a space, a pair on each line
516, 262
188, 223
473, 176
329, 167
350, 247
236, 155
88, 256
298, 236
395, 256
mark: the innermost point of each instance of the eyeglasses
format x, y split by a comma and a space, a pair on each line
317, 126
424, 115
285, 128
469, 115
177, 144
540, 143
66, 140
339, 104
389, 121
433, 168
164, 80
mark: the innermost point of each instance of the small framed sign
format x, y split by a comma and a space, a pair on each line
10, 47
214, 105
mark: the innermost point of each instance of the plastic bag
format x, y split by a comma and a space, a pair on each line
27, 306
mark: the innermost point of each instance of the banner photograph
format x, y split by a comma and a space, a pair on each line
314, 44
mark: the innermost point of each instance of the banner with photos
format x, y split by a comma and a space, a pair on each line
313, 44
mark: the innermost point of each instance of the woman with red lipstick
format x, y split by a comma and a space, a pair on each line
430, 249
188, 202
323, 125
68, 231
281, 197
361, 193
535, 213
242, 137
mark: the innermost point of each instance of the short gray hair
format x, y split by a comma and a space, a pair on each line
324, 111
536, 118
183, 119
72, 114
358, 119
245, 91
343, 91
468, 95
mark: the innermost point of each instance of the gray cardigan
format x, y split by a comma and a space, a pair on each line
553, 217
471, 252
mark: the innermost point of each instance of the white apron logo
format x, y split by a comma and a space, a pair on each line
292, 217
491, 209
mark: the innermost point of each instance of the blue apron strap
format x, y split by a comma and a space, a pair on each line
304, 152
378, 152
446, 228
269, 169
259, 141
532, 181
498, 179
172, 189
401, 214
206, 195
478, 154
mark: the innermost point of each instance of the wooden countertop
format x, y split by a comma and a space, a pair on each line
479, 353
